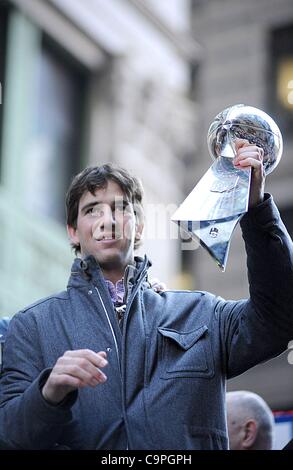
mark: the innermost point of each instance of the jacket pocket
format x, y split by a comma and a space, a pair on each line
186, 354
197, 438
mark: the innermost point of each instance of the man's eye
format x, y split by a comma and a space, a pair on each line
95, 211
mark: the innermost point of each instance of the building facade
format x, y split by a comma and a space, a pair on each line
85, 83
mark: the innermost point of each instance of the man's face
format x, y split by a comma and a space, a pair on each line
106, 227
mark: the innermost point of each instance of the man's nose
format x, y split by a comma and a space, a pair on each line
108, 220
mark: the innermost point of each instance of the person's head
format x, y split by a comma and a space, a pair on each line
104, 215
250, 421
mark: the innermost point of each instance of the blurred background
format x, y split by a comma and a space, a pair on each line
136, 82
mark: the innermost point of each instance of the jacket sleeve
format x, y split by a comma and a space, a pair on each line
261, 327
27, 421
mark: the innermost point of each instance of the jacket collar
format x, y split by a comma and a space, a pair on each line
85, 270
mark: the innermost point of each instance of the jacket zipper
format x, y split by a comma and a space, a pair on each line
111, 328
115, 341
112, 331
132, 295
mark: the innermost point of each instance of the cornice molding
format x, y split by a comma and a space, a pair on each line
185, 44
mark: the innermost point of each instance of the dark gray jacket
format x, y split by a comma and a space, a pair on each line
167, 368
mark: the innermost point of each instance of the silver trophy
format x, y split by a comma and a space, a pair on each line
212, 210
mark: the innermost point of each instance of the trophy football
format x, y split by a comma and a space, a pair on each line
212, 210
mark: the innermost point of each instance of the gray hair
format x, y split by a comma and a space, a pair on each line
246, 405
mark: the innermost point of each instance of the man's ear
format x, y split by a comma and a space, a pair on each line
250, 433
73, 235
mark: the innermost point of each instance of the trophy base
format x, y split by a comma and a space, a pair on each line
213, 235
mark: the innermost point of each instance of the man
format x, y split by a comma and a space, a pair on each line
250, 422
84, 371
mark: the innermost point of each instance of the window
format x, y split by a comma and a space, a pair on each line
56, 142
4, 11
280, 87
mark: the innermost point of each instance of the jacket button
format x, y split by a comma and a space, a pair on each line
90, 292
108, 349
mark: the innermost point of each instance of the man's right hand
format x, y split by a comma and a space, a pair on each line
75, 369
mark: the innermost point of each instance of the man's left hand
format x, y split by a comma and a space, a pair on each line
158, 286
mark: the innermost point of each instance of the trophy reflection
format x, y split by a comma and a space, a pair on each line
212, 210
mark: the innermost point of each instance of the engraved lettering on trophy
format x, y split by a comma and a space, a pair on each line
223, 186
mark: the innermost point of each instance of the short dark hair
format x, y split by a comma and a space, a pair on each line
96, 177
